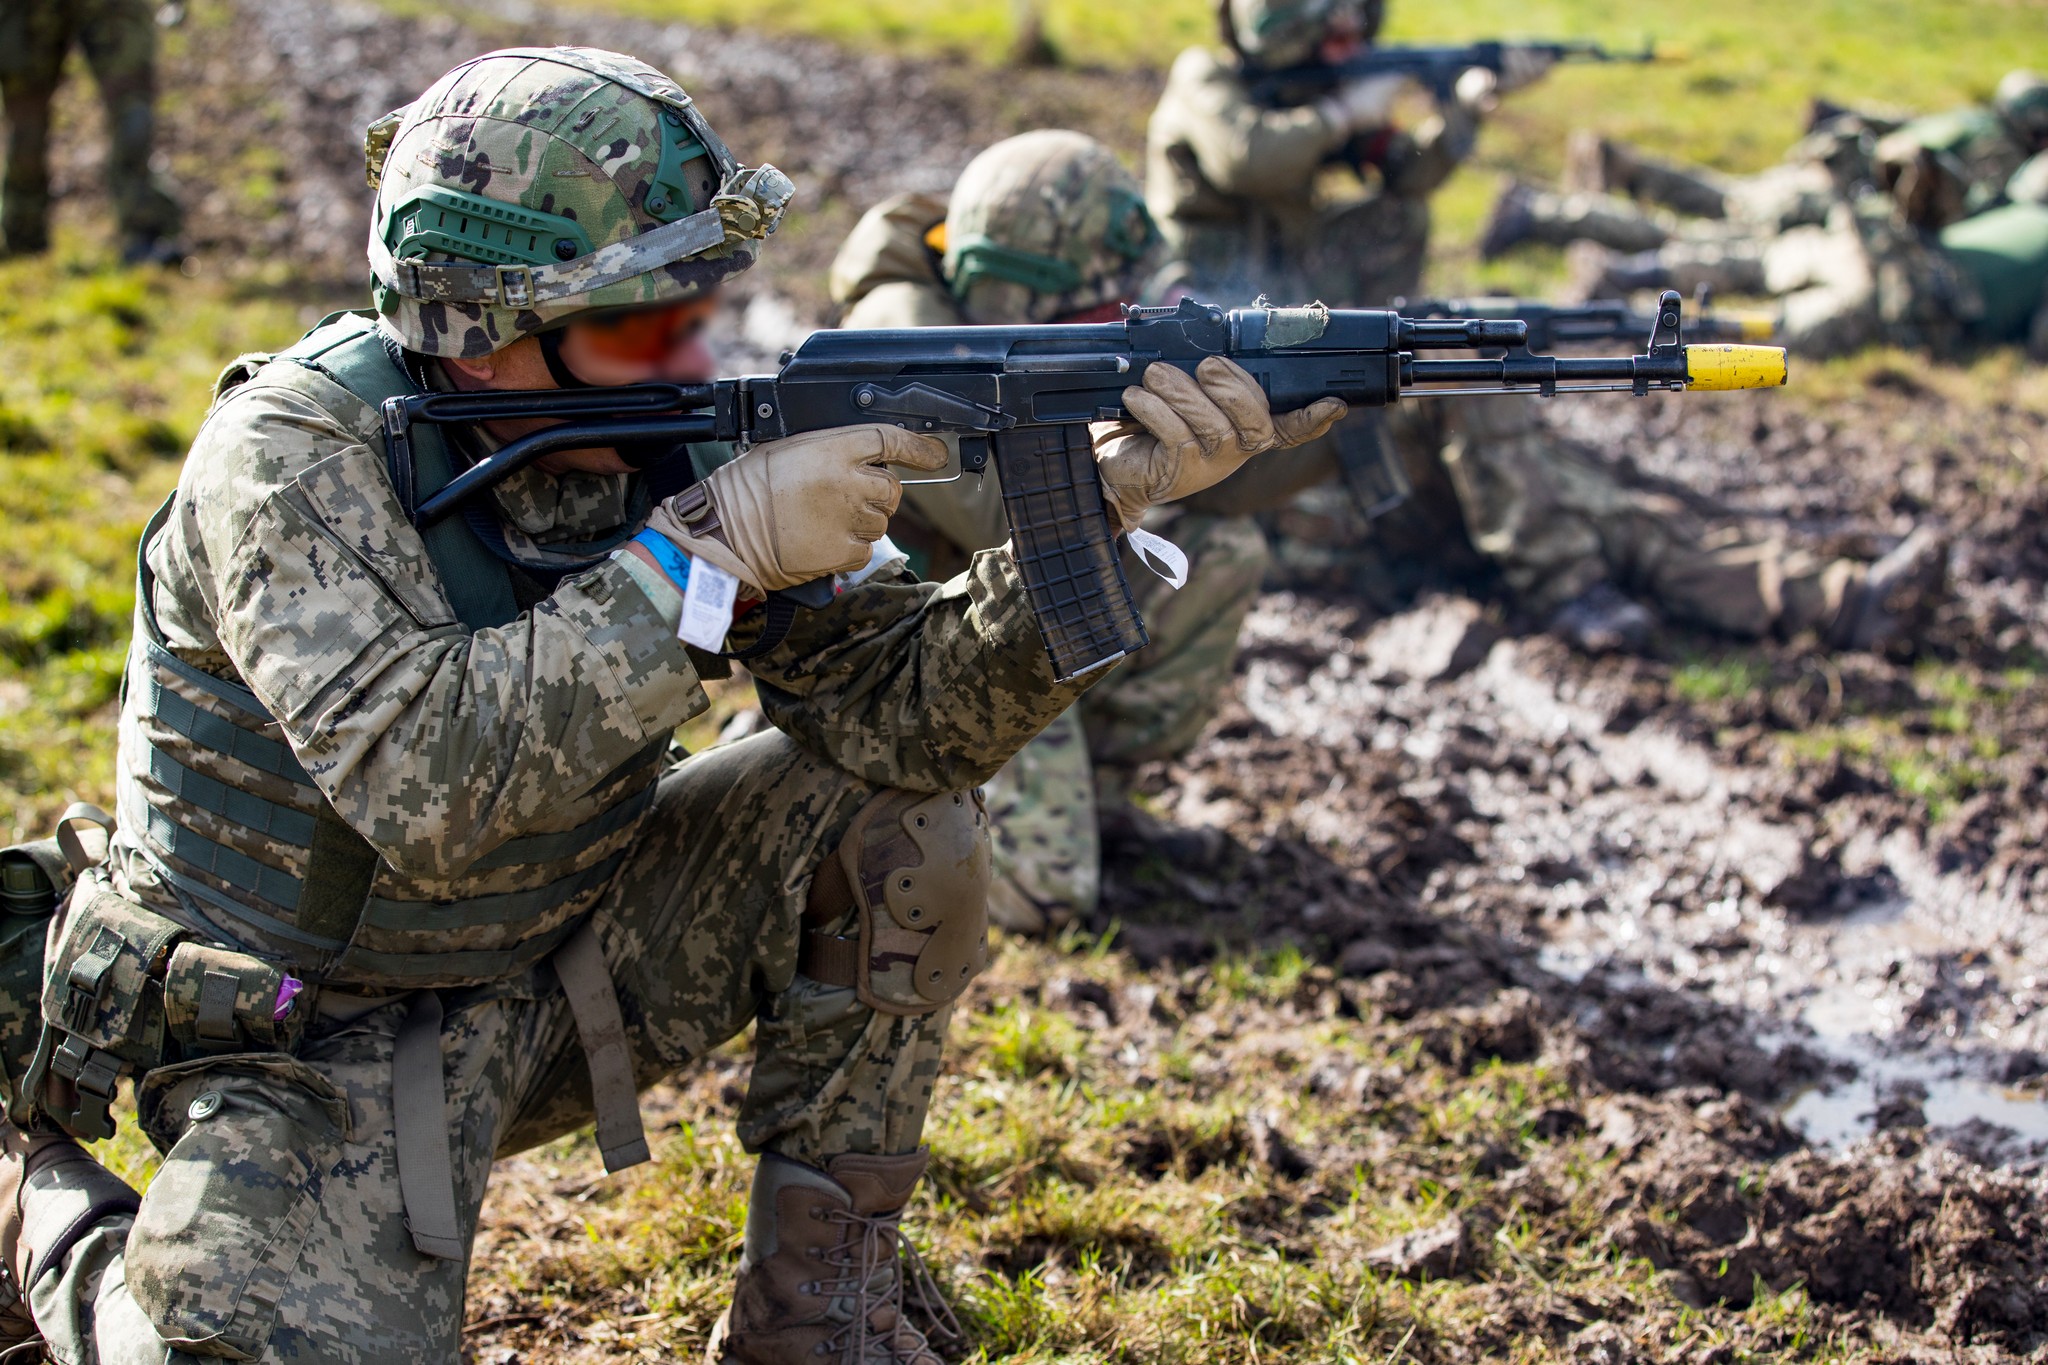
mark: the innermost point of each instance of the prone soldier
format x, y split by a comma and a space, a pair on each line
1938, 169
407, 875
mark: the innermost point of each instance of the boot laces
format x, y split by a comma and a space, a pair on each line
883, 1270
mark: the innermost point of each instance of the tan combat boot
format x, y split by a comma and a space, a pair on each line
52, 1192
827, 1270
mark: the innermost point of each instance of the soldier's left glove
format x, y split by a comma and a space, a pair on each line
1192, 432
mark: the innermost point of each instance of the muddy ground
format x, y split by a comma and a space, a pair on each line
1776, 915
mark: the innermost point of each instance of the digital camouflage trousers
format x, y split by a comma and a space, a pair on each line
276, 1230
1044, 804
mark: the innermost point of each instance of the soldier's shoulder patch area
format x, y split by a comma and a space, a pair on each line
350, 491
299, 608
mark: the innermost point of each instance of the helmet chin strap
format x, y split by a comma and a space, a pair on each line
558, 368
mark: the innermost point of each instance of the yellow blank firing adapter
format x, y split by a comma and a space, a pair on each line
1713, 369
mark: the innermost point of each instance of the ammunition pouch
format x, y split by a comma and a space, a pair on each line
103, 1010
34, 879
125, 989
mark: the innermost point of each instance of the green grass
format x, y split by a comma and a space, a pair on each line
1736, 100
104, 375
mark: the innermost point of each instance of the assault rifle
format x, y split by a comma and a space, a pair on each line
1559, 324
1024, 396
1438, 68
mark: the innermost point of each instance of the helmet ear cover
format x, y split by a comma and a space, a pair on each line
437, 219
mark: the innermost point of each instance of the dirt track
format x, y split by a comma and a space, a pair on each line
1715, 929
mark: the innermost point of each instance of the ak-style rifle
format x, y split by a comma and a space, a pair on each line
1024, 397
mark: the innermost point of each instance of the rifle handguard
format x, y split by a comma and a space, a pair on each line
1716, 369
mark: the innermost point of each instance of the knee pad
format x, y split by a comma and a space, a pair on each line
914, 870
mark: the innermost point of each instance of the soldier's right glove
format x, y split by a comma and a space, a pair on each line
1192, 432
801, 508
1364, 103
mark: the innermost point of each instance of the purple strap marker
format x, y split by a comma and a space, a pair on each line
287, 991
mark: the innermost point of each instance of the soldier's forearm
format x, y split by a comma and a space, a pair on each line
930, 687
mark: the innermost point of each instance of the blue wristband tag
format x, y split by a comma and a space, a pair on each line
673, 561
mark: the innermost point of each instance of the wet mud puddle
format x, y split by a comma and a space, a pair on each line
1633, 862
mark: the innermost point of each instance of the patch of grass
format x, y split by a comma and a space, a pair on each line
1737, 99
104, 376
1720, 677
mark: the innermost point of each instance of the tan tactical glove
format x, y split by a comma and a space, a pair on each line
1361, 104
801, 508
1479, 89
1192, 432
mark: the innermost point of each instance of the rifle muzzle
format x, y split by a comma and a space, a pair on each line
1715, 369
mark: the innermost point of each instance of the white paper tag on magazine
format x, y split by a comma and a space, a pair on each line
1161, 556
707, 606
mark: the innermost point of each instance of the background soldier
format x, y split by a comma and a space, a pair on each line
406, 877
1235, 187
1049, 227
1938, 170
118, 38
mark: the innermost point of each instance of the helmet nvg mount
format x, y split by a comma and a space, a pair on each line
535, 184
1044, 225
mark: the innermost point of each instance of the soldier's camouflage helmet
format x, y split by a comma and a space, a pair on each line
2022, 97
1045, 225
1276, 33
533, 184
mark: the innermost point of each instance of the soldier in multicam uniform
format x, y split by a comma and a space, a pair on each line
406, 874
1050, 227
119, 41
1627, 199
1237, 189
1930, 237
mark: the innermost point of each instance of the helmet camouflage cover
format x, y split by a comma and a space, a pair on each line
2022, 97
1044, 225
1276, 33
533, 184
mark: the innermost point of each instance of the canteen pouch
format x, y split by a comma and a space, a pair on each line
102, 1006
219, 1000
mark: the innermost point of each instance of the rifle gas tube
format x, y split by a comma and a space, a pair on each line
1559, 324
1024, 396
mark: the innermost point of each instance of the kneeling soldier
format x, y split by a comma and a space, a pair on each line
407, 875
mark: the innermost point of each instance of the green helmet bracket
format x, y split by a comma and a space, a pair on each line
1131, 229
668, 192
1130, 235
469, 226
981, 256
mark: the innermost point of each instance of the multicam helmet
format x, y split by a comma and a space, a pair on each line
533, 184
1276, 33
2022, 97
1045, 225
